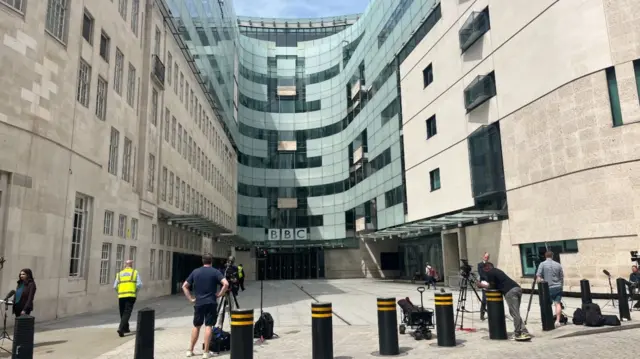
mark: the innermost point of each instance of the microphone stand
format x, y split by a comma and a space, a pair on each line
613, 302
5, 334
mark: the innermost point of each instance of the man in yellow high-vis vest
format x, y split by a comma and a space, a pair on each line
127, 284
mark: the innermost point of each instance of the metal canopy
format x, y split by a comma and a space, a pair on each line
436, 224
198, 224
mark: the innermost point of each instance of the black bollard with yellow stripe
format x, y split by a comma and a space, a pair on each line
387, 326
242, 334
321, 331
445, 324
495, 309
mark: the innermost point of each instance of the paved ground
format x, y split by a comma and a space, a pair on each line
355, 326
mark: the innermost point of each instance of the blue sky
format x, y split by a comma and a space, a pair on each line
298, 8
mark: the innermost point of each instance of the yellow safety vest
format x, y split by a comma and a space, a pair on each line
240, 272
127, 279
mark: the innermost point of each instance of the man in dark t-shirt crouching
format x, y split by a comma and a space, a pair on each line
494, 278
203, 282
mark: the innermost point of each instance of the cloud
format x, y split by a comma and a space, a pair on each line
298, 8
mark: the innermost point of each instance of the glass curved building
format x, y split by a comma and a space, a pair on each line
318, 114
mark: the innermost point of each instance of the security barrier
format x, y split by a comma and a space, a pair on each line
445, 324
321, 331
242, 334
387, 326
145, 334
495, 309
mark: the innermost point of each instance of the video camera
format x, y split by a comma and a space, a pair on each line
465, 269
634, 256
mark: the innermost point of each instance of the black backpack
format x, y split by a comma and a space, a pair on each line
579, 317
220, 341
264, 327
593, 315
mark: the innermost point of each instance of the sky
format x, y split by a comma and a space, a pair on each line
298, 8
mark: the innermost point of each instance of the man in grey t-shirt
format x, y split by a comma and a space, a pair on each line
551, 272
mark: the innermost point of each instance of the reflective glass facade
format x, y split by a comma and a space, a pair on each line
313, 107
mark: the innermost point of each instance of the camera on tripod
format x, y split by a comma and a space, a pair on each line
465, 269
634, 256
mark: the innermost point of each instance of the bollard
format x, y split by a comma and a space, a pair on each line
144, 334
585, 292
23, 337
623, 299
445, 324
321, 331
546, 313
387, 327
495, 309
242, 334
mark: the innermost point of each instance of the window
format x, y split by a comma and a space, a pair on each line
531, 254
434, 177
614, 96
151, 174
135, 10
427, 75
154, 233
101, 99
126, 160
432, 130
114, 143
56, 23
184, 143
108, 223
84, 83
160, 263
154, 107
181, 87
171, 188
87, 27
169, 68
164, 184
476, 25
105, 43
122, 226
179, 137
183, 202
119, 257
393, 21
636, 70
78, 235
133, 251
167, 116
18, 5
156, 46
152, 264
480, 90
122, 8
105, 260
173, 132
117, 73
134, 228
167, 267
177, 191
131, 85
175, 239
175, 80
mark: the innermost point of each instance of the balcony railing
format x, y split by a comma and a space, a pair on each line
476, 25
481, 89
157, 70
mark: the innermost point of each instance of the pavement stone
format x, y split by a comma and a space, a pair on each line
355, 335
92, 336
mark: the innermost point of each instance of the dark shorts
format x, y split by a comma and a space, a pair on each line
556, 294
205, 314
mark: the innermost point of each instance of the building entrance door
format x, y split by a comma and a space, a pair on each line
285, 264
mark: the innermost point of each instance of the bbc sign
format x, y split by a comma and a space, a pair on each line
286, 234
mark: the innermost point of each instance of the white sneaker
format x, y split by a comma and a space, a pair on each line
206, 355
189, 354
558, 324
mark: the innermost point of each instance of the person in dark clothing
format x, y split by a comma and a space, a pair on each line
25, 292
204, 283
483, 305
634, 285
497, 279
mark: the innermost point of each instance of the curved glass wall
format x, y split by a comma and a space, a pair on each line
317, 114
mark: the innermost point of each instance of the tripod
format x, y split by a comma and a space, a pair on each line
5, 334
533, 287
613, 302
227, 300
466, 282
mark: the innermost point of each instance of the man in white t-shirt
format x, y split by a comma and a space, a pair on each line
430, 276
